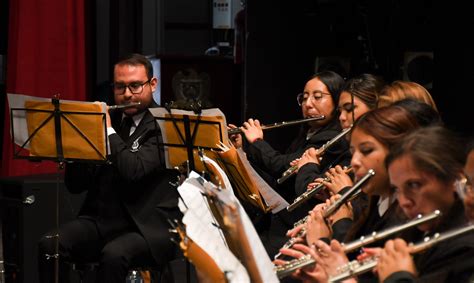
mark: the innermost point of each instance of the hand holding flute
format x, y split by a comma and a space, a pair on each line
395, 256
252, 130
336, 179
314, 154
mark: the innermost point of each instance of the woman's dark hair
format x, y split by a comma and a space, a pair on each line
333, 81
387, 124
366, 87
424, 113
435, 150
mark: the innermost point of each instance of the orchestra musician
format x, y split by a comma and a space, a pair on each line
358, 96
424, 169
372, 136
123, 221
319, 97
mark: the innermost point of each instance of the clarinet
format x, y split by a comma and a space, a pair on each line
354, 268
292, 170
307, 260
311, 192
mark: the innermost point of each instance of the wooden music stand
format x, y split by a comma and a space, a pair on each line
186, 132
60, 132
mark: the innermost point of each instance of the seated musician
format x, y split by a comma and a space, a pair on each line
371, 139
359, 95
123, 221
319, 97
424, 169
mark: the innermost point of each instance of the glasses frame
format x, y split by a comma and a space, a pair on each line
301, 95
128, 86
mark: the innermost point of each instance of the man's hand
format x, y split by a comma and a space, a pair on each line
252, 130
236, 139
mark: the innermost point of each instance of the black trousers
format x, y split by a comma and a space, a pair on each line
80, 241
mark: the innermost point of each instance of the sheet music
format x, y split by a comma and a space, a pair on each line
208, 135
265, 265
200, 227
190, 191
19, 117
271, 197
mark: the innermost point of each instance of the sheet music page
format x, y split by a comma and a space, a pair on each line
211, 131
20, 118
271, 197
263, 261
200, 227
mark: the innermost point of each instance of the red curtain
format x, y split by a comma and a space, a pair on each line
46, 56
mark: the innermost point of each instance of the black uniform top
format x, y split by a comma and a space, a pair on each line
133, 192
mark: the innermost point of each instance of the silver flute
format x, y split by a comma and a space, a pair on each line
354, 268
311, 192
293, 169
307, 260
121, 106
293, 240
352, 193
279, 125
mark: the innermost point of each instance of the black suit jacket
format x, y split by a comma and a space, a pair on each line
132, 191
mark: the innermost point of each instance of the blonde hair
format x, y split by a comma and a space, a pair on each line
399, 90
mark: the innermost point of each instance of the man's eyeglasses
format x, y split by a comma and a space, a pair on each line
316, 95
135, 87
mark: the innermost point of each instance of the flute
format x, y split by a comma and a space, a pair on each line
278, 125
352, 193
311, 192
121, 106
307, 260
350, 197
355, 267
293, 169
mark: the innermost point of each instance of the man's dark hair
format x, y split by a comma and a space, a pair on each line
136, 59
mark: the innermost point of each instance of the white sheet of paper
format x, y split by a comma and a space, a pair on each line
201, 229
263, 261
264, 264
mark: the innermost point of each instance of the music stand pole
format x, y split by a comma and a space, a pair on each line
189, 141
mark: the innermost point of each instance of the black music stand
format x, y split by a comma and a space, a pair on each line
60, 119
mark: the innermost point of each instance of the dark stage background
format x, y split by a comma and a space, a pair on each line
280, 45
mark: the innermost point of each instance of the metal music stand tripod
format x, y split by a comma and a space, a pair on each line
55, 120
